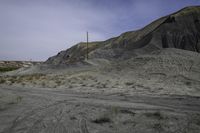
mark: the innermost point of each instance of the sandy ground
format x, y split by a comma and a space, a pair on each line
61, 111
152, 93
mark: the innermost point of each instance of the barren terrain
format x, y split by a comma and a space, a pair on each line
61, 111
158, 92
144, 81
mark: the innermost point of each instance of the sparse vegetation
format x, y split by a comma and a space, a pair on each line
197, 120
158, 127
188, 83
2, 81
156, 115
58, 82
15, 100
43, 84
70, 86
125, 111
6, 69
102, 120
129, 83
101, 85
12, 80
22, 79
83, 85
19, 99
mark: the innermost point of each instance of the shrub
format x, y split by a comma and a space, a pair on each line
188, 83
58, 82
102, 120
12, 80
19, 99
23, 84
158, 127
129, 83
43, 84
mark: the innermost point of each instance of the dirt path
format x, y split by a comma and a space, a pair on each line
61, 111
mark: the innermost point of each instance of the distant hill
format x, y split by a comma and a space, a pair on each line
179, 30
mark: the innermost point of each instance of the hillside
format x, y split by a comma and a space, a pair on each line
179, 30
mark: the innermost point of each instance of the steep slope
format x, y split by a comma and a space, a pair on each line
179, 30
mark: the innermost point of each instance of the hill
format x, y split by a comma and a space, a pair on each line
179, 30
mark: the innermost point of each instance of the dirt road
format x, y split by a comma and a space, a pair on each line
46, 110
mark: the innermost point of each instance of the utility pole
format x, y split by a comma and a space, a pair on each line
87, 47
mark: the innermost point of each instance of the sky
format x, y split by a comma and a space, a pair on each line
37, 29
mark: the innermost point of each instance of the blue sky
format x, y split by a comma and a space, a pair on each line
38, 29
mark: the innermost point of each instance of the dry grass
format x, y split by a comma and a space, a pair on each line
22, 79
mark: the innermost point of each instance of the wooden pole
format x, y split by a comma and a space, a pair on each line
87, 46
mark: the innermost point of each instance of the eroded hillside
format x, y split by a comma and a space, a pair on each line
179, 30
